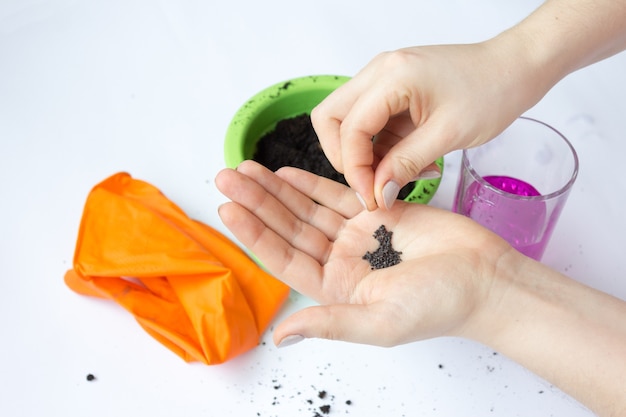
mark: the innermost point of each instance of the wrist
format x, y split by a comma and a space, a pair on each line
492, 316
525, 71
563, 331
561, 37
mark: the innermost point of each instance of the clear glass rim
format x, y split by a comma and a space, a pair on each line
564, 189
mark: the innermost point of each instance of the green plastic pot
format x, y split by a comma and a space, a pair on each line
259, 116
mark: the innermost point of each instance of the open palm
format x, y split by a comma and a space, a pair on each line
312, 233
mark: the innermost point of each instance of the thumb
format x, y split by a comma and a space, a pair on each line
345, 322
411, 159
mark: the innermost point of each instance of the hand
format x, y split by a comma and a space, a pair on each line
444, 279
419, 104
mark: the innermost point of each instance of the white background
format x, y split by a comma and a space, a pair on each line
88, 89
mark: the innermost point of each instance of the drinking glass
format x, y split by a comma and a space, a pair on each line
517, 184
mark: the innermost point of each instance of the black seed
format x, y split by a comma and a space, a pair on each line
385, 256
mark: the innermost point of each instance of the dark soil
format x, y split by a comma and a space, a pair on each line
385, 256
294, 143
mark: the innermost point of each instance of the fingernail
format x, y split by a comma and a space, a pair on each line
390, 194
290, 340
428, 175
361, 200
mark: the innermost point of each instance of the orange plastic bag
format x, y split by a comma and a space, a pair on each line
187, 285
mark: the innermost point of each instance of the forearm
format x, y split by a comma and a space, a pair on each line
569, 334
560, 37
570, 34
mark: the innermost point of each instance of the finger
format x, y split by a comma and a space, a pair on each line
273, 214
357, 150
343, 322
336, 196
279, 256
431, 172
410, 157
369, 115
389, 137
338, 135
386, 140
327, 116
299, 203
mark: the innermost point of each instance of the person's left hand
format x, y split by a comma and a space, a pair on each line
312, 233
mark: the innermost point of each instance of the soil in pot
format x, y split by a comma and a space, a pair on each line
294, 143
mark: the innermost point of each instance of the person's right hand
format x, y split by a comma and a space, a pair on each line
387, 125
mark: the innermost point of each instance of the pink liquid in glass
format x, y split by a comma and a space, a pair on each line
520, 221
511, 185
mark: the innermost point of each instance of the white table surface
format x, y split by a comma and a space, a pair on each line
88, 89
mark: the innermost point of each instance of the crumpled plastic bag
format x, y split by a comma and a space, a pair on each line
187, 285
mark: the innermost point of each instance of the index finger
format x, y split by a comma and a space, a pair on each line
368, 116
348, 146
327, 116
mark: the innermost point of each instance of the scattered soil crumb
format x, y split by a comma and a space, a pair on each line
325, 409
